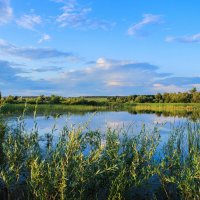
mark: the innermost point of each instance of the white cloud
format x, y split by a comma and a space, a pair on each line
185, 39
29, 21
110, 77
106, 63
104, 77
45, 37
157, 87
6, 12
75, 16
148, 19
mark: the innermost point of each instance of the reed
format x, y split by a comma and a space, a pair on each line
90, 165
191, 110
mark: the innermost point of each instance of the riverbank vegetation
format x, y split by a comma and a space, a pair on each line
80, 164
188, 110
192, 96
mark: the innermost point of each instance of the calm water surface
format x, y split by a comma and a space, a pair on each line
131, 123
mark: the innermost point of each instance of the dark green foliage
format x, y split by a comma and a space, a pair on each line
144, 99
55, 99
193, 96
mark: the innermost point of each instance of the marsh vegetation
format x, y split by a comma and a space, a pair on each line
76, 162
85, 164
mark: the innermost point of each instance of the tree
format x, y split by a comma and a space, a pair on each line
9, 99
41, 99
166, 98
141, 99
193, 90
55, 99
196, 97
158, 98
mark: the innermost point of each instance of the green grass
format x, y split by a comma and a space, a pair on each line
191, 110
91, 165
168, 106
50, 109
97, 99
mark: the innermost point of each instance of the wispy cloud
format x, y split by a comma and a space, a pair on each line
75, 16
6, 12
48, 68
176, 84
158, 87
185, 39
148, 19
181, 81
29, 21
45, 37
32, 52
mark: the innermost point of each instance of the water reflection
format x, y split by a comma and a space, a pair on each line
131, 122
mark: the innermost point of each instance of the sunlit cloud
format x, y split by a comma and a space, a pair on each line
45, 37
111, 77
104, 77
169, 87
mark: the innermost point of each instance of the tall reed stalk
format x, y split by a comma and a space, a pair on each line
85, 165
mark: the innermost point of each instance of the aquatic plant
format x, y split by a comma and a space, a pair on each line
85, 164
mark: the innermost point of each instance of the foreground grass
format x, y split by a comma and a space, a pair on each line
88, 165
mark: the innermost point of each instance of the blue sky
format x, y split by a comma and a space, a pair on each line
99, 47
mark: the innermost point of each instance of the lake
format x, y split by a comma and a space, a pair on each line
121, 121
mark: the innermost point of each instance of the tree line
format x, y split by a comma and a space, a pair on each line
192, 96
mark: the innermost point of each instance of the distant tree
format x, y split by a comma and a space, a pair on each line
158, 98
196, 97
184, 97
142, 99
132, 97
55, 99
9, 99
193, 90
41, 99
166, 97
15, 98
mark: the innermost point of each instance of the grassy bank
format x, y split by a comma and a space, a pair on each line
167, 106
88, 165
50, 108
189, 110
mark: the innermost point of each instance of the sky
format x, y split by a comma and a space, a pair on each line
99, 47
